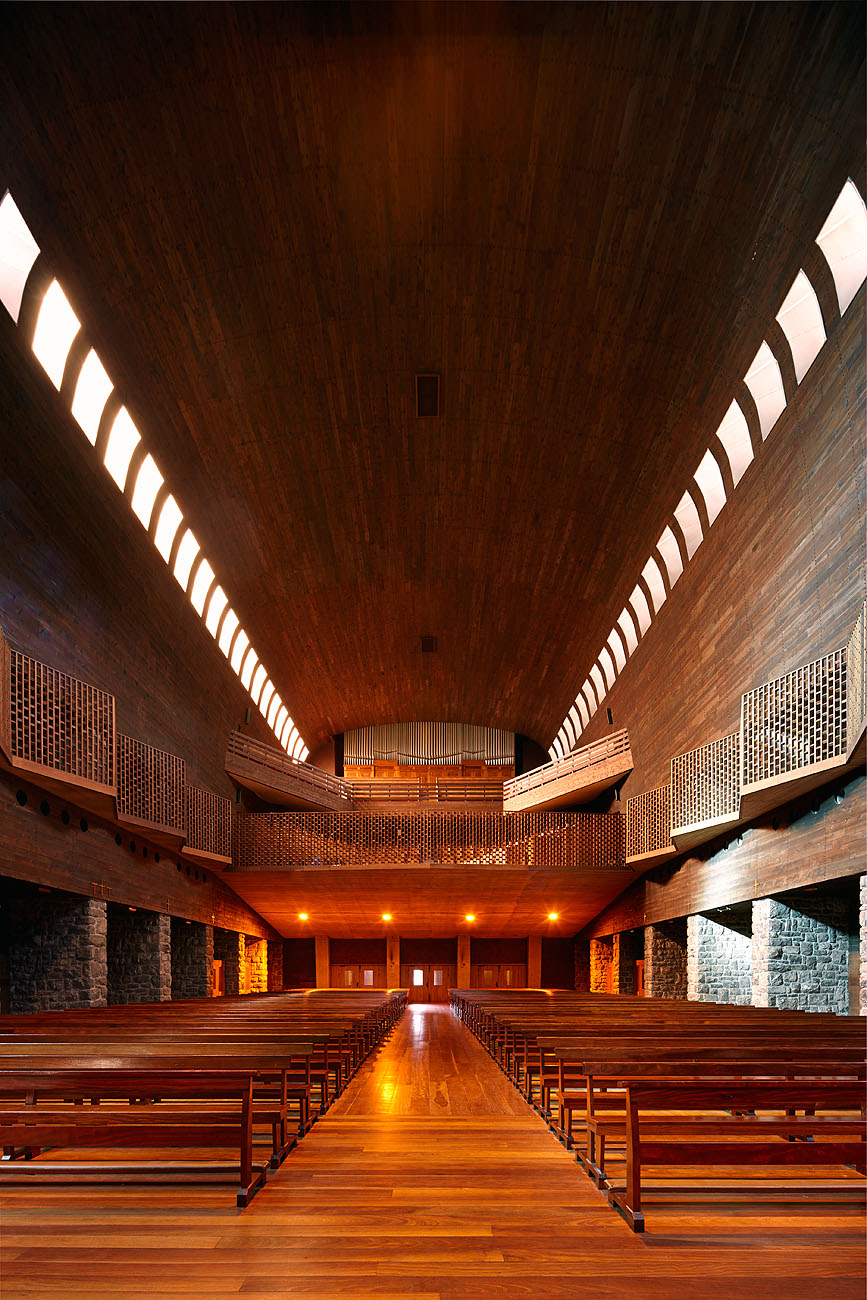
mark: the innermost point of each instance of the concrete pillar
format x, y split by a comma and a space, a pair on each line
256, 957
601, 959
392, 961
801, 952
718, 956
464, 970
582, 965
275, 965
323, 962
534, 961
230, 949
56, 951
665, 959
192, 958
139, 952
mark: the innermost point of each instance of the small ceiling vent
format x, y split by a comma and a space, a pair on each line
428, 645
427, 395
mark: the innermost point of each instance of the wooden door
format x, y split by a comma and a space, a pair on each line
442, 978
344, 975
499, 975
512, 975
428, 981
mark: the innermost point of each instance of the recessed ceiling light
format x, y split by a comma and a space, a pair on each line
302, 916
470, 916
552, 916
386, 916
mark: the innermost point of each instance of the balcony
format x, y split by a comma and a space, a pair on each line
57, 730
705, 791
410, 794
150, 791
856, 688
277, 778
648, 827
209, 827
578, 778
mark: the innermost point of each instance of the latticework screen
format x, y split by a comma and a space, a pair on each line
648, 822
705, 784
412, 743
856, 675
794, 722
59, 722
471, 839
209, 822
150, 784
5, 694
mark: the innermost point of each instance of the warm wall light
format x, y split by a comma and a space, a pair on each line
469, 917
302, 916
552, 916
386, 916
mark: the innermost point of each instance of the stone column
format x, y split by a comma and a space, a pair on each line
665, 959
139, 950
801, 953
57, 951
275, 965
257, 949
192, 958
230, 949
718, 958
626, 949
601, 958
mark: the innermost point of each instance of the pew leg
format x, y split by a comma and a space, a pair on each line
628, 1202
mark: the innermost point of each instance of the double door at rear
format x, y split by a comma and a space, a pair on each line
428, 981
498, 975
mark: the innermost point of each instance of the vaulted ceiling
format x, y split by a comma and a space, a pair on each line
584, 217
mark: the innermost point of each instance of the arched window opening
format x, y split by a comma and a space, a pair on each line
56, 327
18, 251
671, 558
216, 605
642, 613
187, 552
147, 484
167, 526
202, 584
627, 627
92, 391
122, 442
227, 632
800, 319
690, 524
734, 434
843, 241
709, 482
607, 665
765, 382
651, 575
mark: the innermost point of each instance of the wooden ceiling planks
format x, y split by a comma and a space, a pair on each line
270, 218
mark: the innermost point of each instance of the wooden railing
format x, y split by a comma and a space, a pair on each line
267, 841
648, 824
279, 763
794, 723
56, 725
578, 761
150, 787
427, 792
705, 785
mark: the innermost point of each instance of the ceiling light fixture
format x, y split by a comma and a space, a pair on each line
553, 916
386, 916
302, 916
470, 916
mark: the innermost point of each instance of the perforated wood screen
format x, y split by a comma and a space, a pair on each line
648, 822
5, 694
483, 839
705, 783
209, 823
856, 673
150, 785
60, 723
794, 722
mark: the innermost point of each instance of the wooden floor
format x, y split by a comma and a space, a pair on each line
430, 1179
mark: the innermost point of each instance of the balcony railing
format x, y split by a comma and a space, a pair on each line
266, 841
796, 723
856, 679
578, 761
705, 787
209, 825
55, 725
150, 787
427, 792
277, 769
648, 825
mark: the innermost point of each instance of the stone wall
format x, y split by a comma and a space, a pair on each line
55, 945
582, 965
665, 959
801, 951
601, 964
192, 958
139, 955
718, 957
256, 956
230, 949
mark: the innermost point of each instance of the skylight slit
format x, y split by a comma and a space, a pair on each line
651, 575
734, 434
598, 683
627, 627
230, 623
216, 605
147, 484
239, 649
248, 667
169, 522
642, 612
56, 327
18, 251
260, 677
670, 552
265, 697
843, 241
607, 665
800, 319
202, 584
709, 481
690, 524
187, 552
765, 382
91, 394
122, 442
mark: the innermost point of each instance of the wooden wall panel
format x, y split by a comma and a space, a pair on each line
46, 851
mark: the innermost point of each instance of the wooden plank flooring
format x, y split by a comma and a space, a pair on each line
430, 1179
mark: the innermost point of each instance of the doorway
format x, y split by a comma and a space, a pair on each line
428, 981
498, 975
